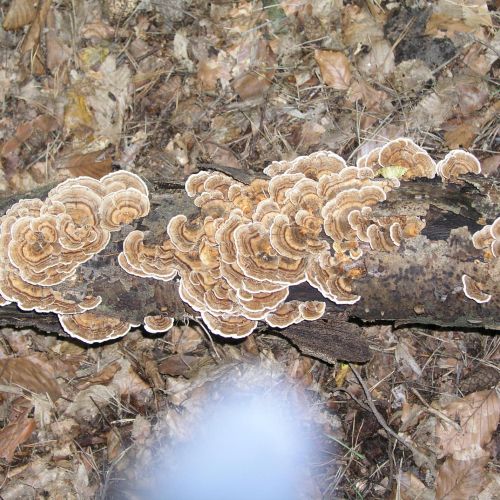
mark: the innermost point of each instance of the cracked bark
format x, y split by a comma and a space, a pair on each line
420, 283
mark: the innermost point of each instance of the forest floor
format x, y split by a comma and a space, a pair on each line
162, 88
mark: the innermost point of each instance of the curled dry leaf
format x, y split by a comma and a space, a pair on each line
459, 479
477, 416
14, 434
335, 68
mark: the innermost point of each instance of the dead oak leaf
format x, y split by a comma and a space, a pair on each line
334, 67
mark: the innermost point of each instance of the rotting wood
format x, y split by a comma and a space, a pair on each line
419, 283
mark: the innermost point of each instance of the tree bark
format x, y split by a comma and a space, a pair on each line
418, 283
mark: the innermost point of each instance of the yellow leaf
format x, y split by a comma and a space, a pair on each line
392, 172
341, 374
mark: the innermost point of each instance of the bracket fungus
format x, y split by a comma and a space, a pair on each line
488, 240
313, 219
43, 244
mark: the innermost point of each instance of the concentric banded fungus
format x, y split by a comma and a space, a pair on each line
259, 260
294, 312
405, 153
488, 239
91, 328
42, 243
336, 211
314, 220
158, 324
456, 163
229, 326
473, 290
311, 221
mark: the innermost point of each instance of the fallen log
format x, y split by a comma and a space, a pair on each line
418, 281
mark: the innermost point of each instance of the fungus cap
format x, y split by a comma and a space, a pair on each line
473, 290
93, 328
230, 326
123, 207
403, 152
158, 323
287, 314
456, 163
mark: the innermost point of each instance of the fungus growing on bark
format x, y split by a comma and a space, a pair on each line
488, 239
456, 163
43, 243
315, 219
91, 328
294, 312
402, 152
158, 324
473, 290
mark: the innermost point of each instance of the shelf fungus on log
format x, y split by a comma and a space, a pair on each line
243, 251
44, 243
487, 239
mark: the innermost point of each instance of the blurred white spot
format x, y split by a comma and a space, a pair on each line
247, 448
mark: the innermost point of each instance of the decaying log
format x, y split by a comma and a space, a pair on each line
419, 283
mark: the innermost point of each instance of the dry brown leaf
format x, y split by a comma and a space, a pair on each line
254, 70
460, 479
473, 92
98, 30
31, 374
378, 62
88, 403
177, 365
20, 13
410, 488
450, 18
211, 70
335, 68
103, 377
185, 339
113, 444
359, 26
14, 434
86, 164
43, 123
222, 155
477, 416
32, 39
490, 165
373, 100
57, 52
311, 133
128, 383
462, 136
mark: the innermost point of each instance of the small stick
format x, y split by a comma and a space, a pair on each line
382, 421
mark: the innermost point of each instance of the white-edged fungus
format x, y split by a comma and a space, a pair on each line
43, 243
159, 323
473, 290
313, 219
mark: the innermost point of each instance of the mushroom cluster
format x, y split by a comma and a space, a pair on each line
311, 220
488, 240
42, 244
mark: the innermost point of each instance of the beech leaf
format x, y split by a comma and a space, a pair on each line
335, 68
